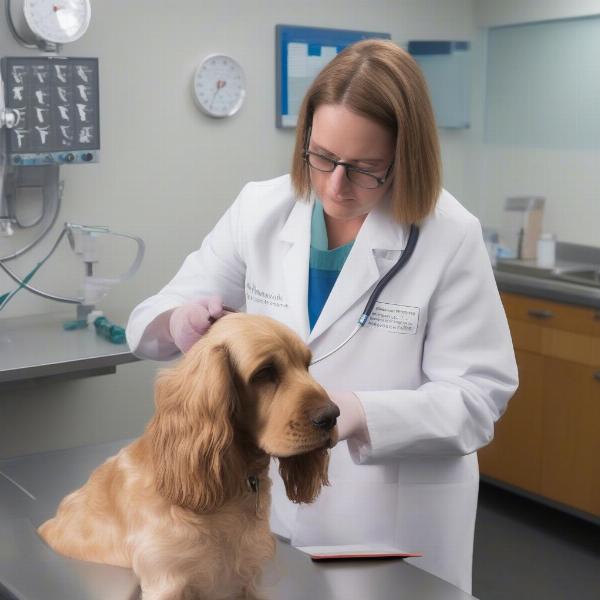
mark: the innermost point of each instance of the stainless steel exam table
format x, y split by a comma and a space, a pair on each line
32, 486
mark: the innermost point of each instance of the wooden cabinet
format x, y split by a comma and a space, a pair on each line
515, 454
571, 438
548, 442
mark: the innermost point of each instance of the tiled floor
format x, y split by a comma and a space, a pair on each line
528, 551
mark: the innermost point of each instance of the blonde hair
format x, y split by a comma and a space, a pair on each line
379, 80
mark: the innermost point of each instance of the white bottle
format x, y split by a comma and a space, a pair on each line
546, 251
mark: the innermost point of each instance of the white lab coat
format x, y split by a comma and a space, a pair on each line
434, 368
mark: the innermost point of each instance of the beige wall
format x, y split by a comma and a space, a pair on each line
167, 172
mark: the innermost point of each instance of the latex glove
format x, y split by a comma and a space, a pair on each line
188, 323
352, 422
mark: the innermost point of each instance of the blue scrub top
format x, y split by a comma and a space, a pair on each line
324, 265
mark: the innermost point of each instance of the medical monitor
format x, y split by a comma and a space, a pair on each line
57, 100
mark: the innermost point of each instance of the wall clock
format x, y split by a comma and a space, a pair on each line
219, 86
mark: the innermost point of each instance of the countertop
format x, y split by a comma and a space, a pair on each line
525, 281
36, 348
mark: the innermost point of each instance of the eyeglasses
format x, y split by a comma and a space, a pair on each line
356, 176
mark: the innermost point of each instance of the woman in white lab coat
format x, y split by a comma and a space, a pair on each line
422, 384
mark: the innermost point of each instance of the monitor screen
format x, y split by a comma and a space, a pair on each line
57, 102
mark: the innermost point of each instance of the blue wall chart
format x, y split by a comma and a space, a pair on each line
301, 53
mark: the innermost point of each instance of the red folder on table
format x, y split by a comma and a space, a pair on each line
356, 551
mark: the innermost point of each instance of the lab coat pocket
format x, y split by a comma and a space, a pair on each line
438, 469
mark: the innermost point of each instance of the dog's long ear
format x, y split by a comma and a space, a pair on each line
304, 475
191, 432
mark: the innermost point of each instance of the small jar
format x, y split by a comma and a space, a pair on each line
546, 251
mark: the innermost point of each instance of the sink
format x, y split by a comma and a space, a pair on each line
574, 278
523, 267
581, 274
584, 276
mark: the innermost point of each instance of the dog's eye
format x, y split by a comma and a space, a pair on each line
266, 374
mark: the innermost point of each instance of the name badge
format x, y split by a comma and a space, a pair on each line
394, 318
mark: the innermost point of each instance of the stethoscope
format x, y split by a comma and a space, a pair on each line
411, 243
413, 236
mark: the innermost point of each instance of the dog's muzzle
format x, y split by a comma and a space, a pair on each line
325, 418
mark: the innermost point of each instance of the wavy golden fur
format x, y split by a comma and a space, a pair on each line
180, 504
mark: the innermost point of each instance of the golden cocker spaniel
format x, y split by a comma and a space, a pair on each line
186, 505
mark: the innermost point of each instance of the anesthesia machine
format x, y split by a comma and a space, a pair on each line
49, 117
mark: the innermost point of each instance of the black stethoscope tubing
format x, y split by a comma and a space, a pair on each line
413, 237
411, 244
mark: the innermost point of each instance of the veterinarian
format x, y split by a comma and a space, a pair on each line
421, 385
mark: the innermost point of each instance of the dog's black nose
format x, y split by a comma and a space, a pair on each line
325, 418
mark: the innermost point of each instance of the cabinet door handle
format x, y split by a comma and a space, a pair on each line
597, 375
540, 313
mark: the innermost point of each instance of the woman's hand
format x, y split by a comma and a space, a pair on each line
352, 422
190, 322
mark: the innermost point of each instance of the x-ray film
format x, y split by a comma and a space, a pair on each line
57, 102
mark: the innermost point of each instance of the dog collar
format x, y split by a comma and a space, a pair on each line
253, 484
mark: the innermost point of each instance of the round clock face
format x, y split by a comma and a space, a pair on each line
219, 86
58, 21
